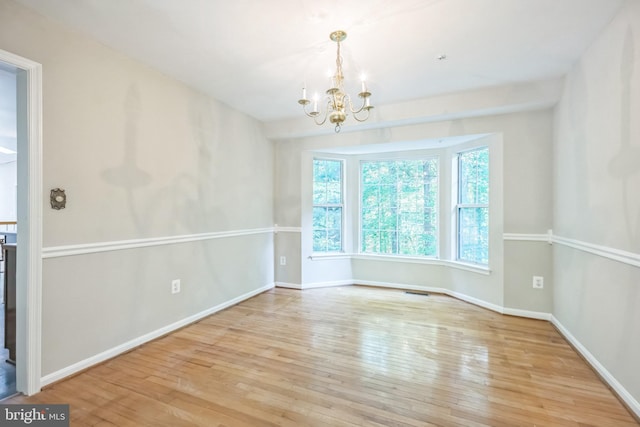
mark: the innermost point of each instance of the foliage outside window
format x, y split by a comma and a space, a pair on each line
327, 205
399, 209
473, 206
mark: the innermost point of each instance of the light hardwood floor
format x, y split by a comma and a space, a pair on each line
348, 356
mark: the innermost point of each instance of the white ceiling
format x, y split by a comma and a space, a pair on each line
254, 55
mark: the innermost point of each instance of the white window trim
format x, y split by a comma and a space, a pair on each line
447, 226
398, 156
455, 232
343, 233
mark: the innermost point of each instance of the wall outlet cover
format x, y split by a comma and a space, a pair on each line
538, 282
175, 286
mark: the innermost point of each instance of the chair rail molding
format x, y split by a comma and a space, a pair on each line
619, 255
89, 248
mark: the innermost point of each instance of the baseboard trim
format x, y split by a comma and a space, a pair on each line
457, 295
630, 402
476, 301
400, 286
335, 283
136, 342
314, 285
463, 297
288, 285
527, 313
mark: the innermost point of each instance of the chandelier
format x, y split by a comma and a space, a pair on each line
338, 102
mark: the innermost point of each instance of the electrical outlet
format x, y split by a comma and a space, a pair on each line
175, 286
538, 282
283, 260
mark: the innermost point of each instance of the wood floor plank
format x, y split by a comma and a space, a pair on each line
347, 356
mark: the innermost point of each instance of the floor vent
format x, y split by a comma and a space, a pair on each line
417, 293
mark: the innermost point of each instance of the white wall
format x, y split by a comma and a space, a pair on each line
143, 159
596, 182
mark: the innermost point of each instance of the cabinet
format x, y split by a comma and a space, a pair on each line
9, 255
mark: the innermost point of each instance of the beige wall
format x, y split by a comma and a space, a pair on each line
140, 156
596, 182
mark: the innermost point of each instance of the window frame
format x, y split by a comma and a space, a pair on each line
459, 206
340, 205
395, 157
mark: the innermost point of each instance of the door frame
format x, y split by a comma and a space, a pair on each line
30, 201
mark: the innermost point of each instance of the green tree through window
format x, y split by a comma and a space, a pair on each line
327, 205
473, 206
400, 207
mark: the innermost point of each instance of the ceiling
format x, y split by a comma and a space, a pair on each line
255, 55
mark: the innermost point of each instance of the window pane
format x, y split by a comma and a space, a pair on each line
327, 181
474, 177
386, 172
319, 240
370, 241
319, 193
327, 205
327, 229
473, 206
473, 241
388, 242
319, 218
399, 207
370, 173
334, 193
370, 218
333, 241
334, 218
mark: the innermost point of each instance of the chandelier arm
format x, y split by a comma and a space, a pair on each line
364, 107
326, 113
351, 105
323, 120
329, 102
365, 117
314, 116
304, 108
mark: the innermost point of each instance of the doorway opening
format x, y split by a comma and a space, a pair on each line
25, 261
8, 227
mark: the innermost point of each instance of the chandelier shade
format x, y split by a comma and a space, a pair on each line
337, 104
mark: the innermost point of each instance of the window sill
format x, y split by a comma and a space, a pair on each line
398, 258
328, 256
404, 259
